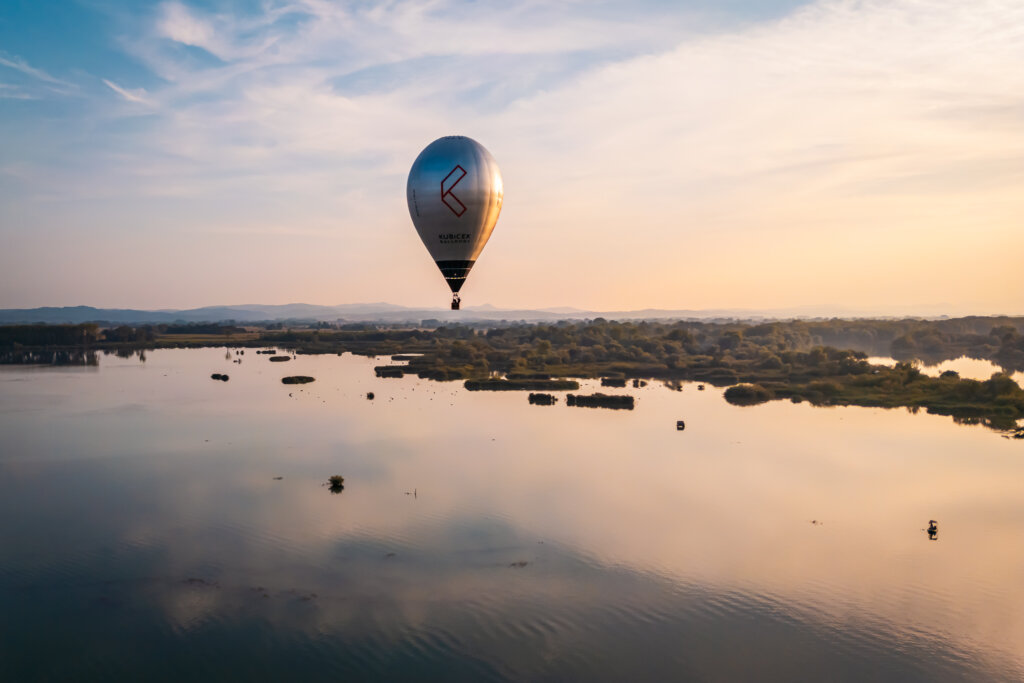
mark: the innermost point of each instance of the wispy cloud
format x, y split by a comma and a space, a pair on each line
820, 91
19, 64
138, 95
14, 92
41, 81
179, 23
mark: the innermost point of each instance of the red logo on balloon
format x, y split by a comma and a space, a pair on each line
447, 185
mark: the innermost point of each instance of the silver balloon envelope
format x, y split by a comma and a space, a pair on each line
454, 194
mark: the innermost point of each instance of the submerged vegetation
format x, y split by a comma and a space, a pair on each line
498, 384
821, 362
601, 401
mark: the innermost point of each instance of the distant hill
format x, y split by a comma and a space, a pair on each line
384, 312
240, 313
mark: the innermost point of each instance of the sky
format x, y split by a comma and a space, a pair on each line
688, 154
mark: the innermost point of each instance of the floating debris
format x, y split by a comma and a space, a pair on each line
278, 478
297, 379
700, 387
336, 483
518, 565
217, 375
542, 399
680, 425
369, 395
279, 359
933, 530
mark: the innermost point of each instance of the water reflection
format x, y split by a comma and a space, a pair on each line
185, 520
965, 367
48, 357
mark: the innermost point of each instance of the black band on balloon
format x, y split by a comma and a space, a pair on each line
455, 272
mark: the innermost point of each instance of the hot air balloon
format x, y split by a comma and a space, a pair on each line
454, 194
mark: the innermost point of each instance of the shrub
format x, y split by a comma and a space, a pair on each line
747, 394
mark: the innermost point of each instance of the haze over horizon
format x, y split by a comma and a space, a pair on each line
699, 155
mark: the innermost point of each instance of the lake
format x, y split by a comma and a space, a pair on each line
158, 525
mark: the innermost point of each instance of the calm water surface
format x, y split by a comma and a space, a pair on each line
967, 368
143, 535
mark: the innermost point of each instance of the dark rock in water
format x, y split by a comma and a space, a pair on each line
601, 401
217, 375
542, 399
637, 383
369, 395
700, 387
280, 359
680, 425
297, 379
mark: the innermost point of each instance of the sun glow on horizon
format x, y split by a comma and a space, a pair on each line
865, 154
